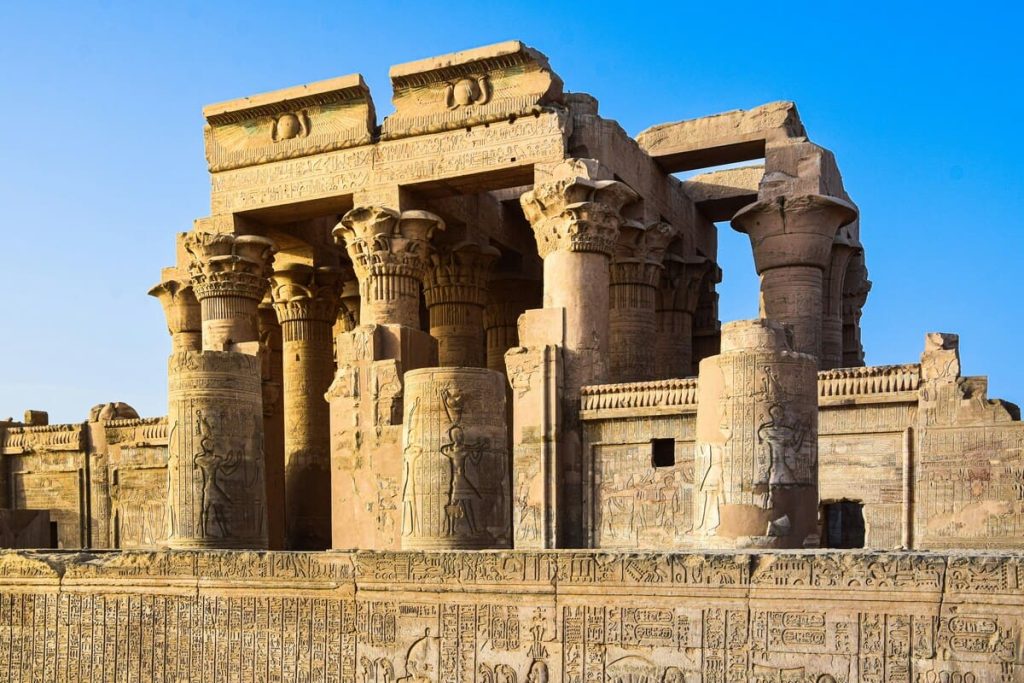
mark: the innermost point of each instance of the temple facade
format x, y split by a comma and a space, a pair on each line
490, 323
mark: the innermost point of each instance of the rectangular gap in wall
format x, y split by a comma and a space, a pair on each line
663, 452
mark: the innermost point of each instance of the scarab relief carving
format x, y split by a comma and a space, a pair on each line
290, 125
467, 91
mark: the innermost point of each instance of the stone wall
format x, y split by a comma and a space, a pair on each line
103, 481
935, 465
219, 616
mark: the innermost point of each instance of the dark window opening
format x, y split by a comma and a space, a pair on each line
54, 536
663, 452
844, 524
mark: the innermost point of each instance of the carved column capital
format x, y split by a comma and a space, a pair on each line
229, 265
456, 293
382, 241
302, 292
681, 280
183, 313
639, 252
460, 274
793, 231
576, 213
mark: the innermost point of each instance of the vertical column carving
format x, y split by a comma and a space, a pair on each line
792, 240
677, 298
390, 253
456, 293
707, 328
843, 251
306, 301
216, 490
272, 373
229, 277
856, 287
576, 220
455, 486
635, 271
756, 468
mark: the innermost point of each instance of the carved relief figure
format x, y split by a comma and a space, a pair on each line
784, 438
214, 498
710, 490
421, 661
529, 489
464, 495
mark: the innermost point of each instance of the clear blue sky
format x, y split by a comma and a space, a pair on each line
101, 159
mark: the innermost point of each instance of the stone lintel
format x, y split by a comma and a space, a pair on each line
478, 160
289, 123
720, 194
737, 135
485, 84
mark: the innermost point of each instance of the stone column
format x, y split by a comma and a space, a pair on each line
707, 328
576, 221
456, 293
390, 253
678, 295
348, 312
229, 276
856, 287
272, 373
184, 321
635, 271
216, 490
792, 241
832, 303
456, 481
756, 467
507, 299
306, 300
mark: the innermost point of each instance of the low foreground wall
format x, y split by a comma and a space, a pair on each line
511, 617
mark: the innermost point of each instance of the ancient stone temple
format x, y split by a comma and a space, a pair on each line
449, 400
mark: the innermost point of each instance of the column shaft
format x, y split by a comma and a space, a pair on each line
792, 295
308, 364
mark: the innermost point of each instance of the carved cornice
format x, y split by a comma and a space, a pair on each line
301, 292
639, 398
848, 385
494, 83
382, 241
286, 124
576, 213
22, 440
229, 265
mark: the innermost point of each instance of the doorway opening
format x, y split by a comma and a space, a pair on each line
844, 524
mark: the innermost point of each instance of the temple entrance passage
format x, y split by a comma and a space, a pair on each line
844, 524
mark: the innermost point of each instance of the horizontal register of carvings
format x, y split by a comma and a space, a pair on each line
60, 437
872, 384
574, 616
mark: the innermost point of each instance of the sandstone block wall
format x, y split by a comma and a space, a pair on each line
381, 617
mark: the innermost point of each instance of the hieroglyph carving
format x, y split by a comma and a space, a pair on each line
216, 495
455, 488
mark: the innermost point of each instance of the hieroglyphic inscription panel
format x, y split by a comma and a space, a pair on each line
507, 616
495, 147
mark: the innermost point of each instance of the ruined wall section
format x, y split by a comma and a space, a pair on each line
215, 616
935, 464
